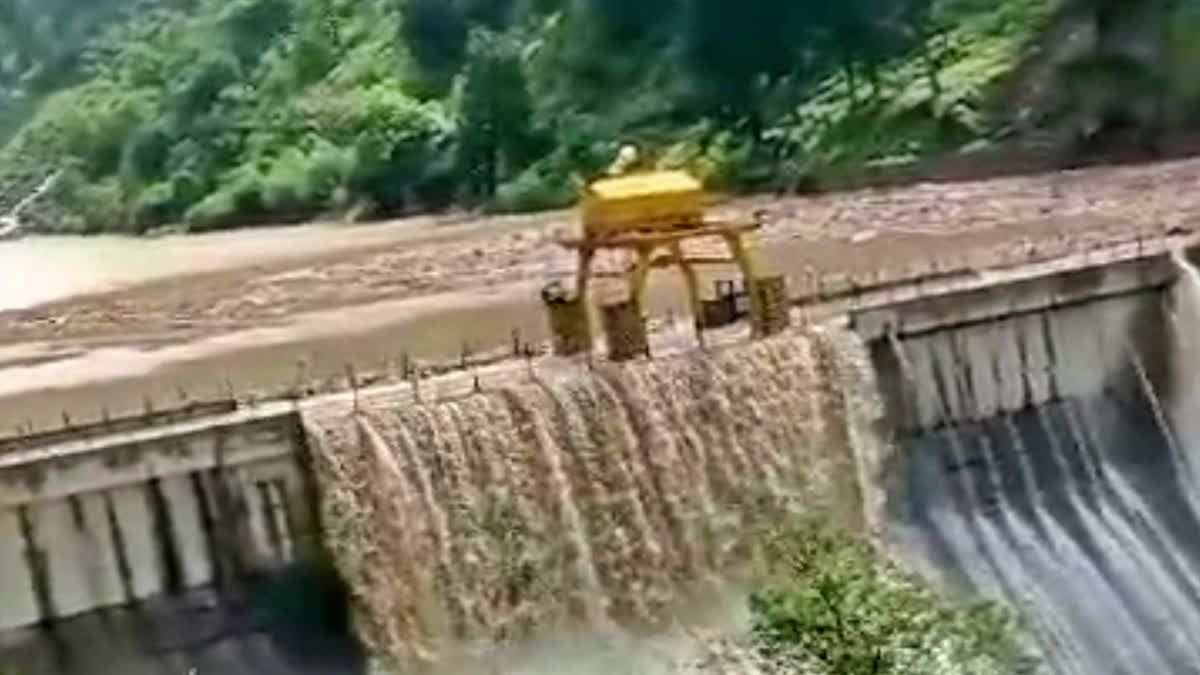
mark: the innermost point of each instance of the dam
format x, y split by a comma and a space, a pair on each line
1027, 434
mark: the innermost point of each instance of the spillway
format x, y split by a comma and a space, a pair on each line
1031, 436
581, 498
1048, 459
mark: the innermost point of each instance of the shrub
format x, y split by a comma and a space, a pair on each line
239, 199
145, 155
300, 182
214, 212
155, 205
832, 605
287, 186
535, 189
91, 206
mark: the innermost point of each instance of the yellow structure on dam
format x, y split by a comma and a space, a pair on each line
647, 217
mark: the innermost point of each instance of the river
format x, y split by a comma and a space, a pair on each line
35, 270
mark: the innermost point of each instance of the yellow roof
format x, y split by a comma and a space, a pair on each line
643, 185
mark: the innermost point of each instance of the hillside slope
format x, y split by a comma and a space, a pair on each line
219, 113
43, 46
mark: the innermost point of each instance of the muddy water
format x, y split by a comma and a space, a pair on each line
36, 270
43, 269
592, 498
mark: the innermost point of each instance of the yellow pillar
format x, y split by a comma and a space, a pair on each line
583, 273
569, 325
693, 288
625, 330
570, 317
641, 270
583, 276
774, 306
747, 263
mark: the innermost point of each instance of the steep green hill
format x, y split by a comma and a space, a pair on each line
218, 113
42, 45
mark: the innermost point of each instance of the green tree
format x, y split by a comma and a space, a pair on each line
622, 23
1123, 81
491, 14
436, 33
242, 111
737, 53
494, 113
917, 22
251, 25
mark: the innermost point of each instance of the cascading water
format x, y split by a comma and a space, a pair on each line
585, 498
1058, 470
1186, 387
1080, 510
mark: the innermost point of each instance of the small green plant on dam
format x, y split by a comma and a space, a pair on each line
832, 605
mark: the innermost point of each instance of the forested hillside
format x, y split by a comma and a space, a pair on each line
38, 50
218, 113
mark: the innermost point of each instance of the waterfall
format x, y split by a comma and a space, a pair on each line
585, 497
10, 223
1186, 355
1052, 463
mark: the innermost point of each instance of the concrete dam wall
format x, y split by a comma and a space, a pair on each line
143, 552
1045, 457
1023, 435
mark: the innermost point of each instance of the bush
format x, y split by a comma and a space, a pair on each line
382, 145
301, 183
214, 212
538, 188
188, 188
832, 605
287, 187
145, 155
733, 163
96, 206
155, 205
238, 200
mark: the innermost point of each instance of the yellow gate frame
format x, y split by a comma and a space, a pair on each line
643, 213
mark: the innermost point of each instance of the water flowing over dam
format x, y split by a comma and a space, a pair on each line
584, 497
1032, 436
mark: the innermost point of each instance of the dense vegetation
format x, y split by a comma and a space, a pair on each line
40, 48
216, 113
832, 606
